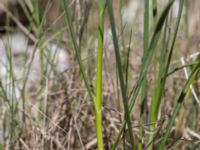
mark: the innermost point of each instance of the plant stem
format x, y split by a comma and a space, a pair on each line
98, 101
144, 83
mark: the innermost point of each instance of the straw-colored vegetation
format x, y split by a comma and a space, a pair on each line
100, 74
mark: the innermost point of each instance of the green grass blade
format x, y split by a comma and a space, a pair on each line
120, 72
180, 100
144, 84
43, 18
158, 88
180, 68
160, 83
165, 71
127, 62
77, 49
152, 46
175, 34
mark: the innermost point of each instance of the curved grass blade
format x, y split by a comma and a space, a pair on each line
180, 68
180, 100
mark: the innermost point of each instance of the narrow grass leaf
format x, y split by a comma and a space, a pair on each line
180, 100
144, 83
120, 72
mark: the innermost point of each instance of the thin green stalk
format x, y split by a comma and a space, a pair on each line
142, 112
98, 101
144, 83
127, 62
120, 73
180, 68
